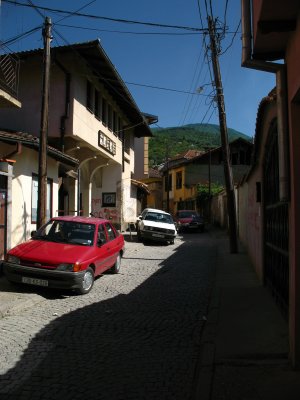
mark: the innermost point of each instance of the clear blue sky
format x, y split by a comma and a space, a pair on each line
155, 56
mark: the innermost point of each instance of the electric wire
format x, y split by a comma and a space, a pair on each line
232, 40
91, 16
189, 99
99, 75
79, 9
16, 38
192, 107
202, 30
130, 32
164, 88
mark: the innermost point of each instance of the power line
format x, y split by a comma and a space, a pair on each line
200, 15
163, 88
130, 32
33, 6
120, 20
21, 36
232, 40
79, 9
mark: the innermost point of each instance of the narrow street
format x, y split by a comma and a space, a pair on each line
136, 335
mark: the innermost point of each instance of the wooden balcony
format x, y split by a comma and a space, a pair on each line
9, 78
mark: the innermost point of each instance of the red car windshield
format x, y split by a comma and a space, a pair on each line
67, 232
187, 214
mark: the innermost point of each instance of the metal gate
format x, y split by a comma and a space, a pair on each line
276, 227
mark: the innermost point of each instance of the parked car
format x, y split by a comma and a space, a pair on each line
189, 220
66, 253
156, 225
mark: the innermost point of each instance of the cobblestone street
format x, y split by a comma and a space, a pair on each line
136, 335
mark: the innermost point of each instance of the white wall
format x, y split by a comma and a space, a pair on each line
26, 164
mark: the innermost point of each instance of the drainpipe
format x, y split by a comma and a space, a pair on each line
281, 92
67, 105
14, 152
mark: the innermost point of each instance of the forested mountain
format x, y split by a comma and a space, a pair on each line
167, 142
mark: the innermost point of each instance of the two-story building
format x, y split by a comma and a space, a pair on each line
185, 174
93, 119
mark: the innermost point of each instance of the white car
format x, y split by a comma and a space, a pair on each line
157, 225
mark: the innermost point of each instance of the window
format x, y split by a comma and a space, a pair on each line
101, 234
97, 104
34, 199
120, 128
109, 199
115, 123
89, 96
179, 180
110, 232
104, 112
168, 182
109, 117
127, 142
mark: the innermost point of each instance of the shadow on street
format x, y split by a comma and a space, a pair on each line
141, 345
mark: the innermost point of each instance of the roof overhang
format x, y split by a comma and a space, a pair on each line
273, 22
6, 100
140, 185
33, 142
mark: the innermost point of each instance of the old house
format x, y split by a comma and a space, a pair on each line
19, 159
93, 119
270, 196
202, 168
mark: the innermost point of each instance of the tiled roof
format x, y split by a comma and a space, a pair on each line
33, 142
188, 154
154, 173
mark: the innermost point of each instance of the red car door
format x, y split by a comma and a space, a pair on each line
102, 262
113, 244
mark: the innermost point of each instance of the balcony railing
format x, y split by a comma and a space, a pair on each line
9, 71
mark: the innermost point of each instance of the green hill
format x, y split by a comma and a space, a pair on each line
176, 140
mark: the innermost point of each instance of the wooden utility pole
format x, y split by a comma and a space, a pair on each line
231, 209
42, 176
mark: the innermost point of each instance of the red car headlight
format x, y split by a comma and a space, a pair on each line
12, 259
69, 267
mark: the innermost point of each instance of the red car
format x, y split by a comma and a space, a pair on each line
67, 253
189, 220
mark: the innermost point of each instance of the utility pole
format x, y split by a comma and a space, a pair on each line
42, 176
231, 209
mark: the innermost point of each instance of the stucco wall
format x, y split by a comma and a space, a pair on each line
219, 214
250, 222
26, 164
86, 125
